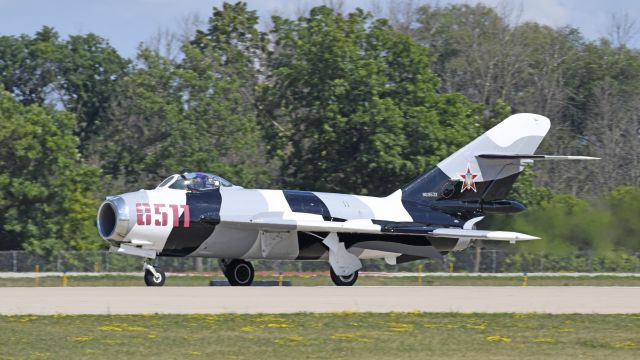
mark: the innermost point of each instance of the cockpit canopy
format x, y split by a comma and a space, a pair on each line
194, 181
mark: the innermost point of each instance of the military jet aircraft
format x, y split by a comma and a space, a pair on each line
203, 214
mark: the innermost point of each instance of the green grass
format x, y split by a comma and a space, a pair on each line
321, 336
200, 280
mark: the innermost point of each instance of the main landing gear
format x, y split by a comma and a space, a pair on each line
237, 271
347, 280
153, 276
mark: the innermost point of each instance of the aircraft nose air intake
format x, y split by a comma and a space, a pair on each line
113, 219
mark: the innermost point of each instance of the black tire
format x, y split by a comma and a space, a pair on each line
348, 280
239, 272
151, 280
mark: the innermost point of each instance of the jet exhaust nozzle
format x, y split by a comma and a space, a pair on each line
113, 219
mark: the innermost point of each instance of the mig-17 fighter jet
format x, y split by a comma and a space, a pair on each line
202, 214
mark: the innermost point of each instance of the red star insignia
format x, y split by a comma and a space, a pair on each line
467, 180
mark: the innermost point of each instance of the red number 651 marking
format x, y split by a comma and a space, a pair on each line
143, 212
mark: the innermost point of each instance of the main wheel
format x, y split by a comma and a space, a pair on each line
347, 280
153, 280
239, 272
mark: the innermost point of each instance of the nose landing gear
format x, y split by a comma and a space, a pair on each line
237, 271
153, 276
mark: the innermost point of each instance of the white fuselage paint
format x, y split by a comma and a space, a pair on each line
154, 235
517, 134
244, 205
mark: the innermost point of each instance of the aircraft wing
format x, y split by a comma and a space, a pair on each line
312, 223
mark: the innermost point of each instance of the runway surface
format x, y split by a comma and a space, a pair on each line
188, 300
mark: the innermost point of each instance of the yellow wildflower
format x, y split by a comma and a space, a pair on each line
401, 327
498, 338
249, 328
624, 345
109, 328
269, 318
81, 338
134, 328
278, 326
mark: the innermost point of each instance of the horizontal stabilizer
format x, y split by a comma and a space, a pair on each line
482, 234
535, 157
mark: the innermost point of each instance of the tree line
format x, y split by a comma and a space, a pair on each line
328, 101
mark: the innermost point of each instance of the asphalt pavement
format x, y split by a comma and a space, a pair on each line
189, 300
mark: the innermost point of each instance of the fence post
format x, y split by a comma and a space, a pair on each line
478, 256
493, 262
15, 261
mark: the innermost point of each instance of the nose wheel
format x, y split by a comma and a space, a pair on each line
343, 280
153, 276
237, 271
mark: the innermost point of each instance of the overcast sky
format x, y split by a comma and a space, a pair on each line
126, 23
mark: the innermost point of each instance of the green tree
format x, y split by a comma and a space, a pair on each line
350, 105
623, 204
79, 74
29, 67
48, 194
88, 78
197, 112
565, 223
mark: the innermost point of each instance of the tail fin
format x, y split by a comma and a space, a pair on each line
486, 168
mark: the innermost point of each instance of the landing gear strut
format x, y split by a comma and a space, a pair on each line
237, 271
153, 276
346, 280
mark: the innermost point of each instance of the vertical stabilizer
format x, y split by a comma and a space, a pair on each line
466, 175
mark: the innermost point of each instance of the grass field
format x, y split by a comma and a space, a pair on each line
322, 336
201, 280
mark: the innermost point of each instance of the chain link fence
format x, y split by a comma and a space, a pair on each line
470, 260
